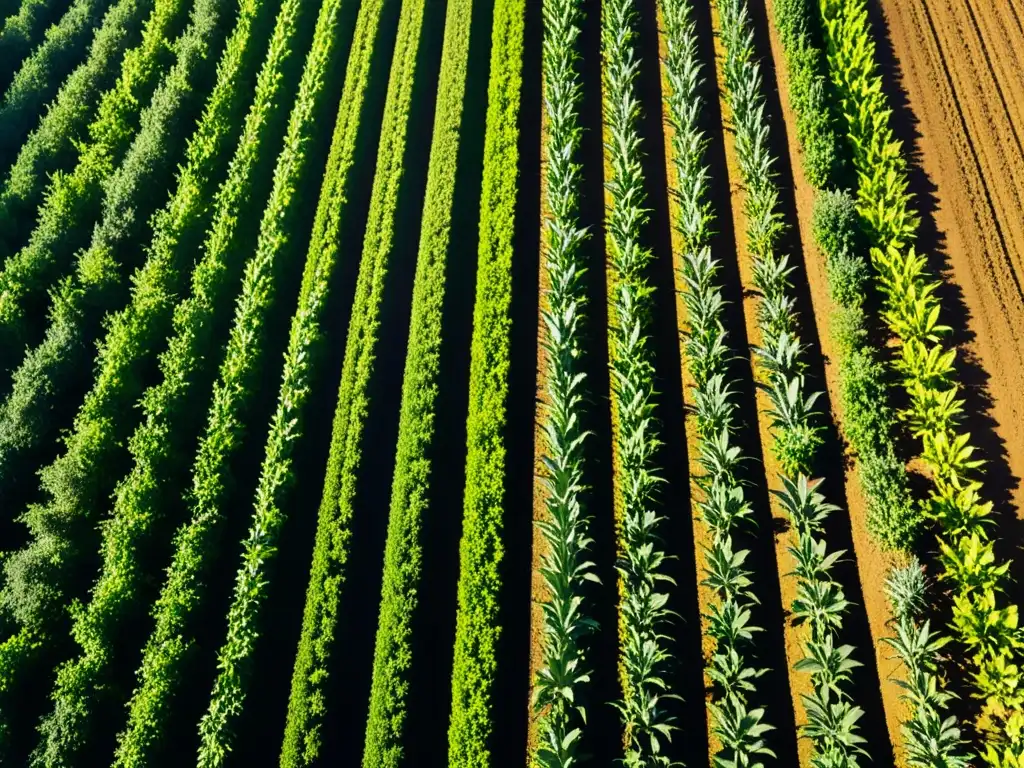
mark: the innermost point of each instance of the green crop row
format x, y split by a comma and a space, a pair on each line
307, 708
386, 735
42, 72
73, 199
21, 32
171, 644
52, 144
984, 620
132, 337
820, 602
724, 509
643, 611
868, 422
930, 736
477, 626
233, 659
560, 682
41, 575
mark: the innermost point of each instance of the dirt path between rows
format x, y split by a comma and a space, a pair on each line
957, 66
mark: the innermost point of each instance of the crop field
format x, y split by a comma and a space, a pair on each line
493, 383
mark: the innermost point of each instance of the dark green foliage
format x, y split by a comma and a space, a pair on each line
101, 424
868, 422
307, 707
480, 552
75, 200
835, 223
807, 69
20, 32
41, 74
42, 576
51, 144
386, 734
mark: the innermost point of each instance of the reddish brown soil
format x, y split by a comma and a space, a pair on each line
959, 64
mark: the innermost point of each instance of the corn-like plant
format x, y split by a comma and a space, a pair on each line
739, 726
561, 680
643, 608
820, 603
930, 736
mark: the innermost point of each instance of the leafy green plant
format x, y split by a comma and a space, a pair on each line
73, 201
80, 693
820, 602
47, 572
643, 611
931, 737
51, 144
739, 725
42, 72
912, 311
21, 31
561, 682
477, 622
169, 649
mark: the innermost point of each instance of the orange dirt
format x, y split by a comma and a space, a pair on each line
960, 62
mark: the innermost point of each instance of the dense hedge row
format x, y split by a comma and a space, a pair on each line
561, 681
43, 575
386, 733
133, 335
168, 650
477, 626
52, 144
42, 72
21, 32
73, 200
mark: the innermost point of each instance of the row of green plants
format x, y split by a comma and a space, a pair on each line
415, 456
307, 706
44, 574
72, 488
561, 682
171, 647
868, 422
930, 735
132, 338
739, 725
52, 144
21, 32
644, 615
478, 621
73, 199
985, 620
306, 338
41, 73
820, 602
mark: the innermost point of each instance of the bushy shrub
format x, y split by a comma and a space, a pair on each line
835, 223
